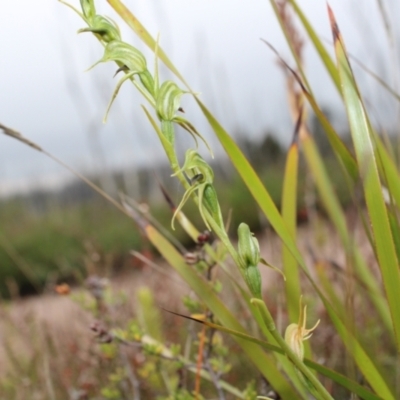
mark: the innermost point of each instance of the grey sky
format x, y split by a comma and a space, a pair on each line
46, 95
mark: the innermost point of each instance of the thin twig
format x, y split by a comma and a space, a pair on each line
214, 376
199, 365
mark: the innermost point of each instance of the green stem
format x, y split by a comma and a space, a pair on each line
320, 390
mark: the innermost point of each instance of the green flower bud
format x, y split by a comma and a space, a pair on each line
125, 54
253, 280
168, 100
104, 27
147, 81
202, 180
248, 248
195, 162
212, 203
132, 63
249, 255
89, 10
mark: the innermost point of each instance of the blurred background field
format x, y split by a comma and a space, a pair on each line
45, 234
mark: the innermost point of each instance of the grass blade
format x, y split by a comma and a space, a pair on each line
362, 139
289, 208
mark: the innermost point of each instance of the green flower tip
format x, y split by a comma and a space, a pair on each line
88, 8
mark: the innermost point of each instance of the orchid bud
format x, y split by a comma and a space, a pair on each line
249, 255
212, 203
168, 100
125, 54
249, 250
132, 60
253, 280
196, 163
202, 180
103, 27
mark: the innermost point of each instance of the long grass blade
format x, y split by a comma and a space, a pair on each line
329, 198
289, 208
361, 135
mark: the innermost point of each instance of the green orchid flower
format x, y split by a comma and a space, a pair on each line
201, 177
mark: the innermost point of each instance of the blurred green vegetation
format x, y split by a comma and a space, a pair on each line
44, 238
52, 243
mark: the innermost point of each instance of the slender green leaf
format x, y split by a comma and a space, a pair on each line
388, 170
362, 139
289, 208
336, 214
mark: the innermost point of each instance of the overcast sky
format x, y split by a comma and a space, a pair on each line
47, 96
